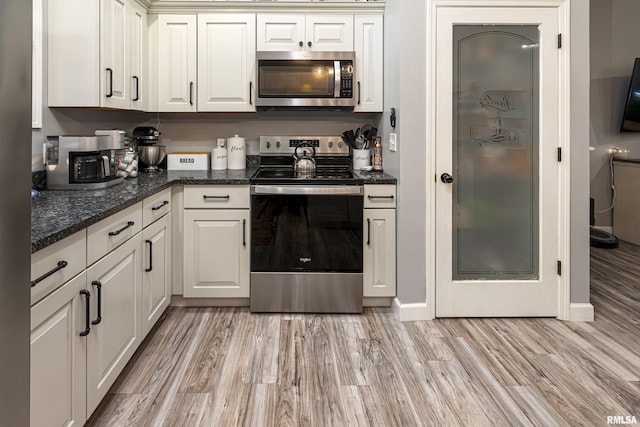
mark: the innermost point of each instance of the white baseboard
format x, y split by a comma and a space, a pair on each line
410, 312
581, 312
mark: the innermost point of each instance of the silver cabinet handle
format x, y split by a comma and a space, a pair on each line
370, 197
190, 93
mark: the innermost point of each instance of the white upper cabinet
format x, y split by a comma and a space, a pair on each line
177, 50
226, 62
297, 32
115, 53
369, 83
94, 54
139, 82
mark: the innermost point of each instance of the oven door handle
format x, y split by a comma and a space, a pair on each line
315, 190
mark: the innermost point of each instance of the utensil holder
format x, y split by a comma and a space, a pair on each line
361, 158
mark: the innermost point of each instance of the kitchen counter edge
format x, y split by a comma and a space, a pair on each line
56, 214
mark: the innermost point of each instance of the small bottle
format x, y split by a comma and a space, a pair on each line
377, 154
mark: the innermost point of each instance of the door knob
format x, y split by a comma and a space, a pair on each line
446, 178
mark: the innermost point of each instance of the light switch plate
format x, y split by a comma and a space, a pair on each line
393, 142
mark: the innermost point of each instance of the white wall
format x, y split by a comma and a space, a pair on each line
614, 46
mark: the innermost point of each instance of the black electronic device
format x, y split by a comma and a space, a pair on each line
631, 115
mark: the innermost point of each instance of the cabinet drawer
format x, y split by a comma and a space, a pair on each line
56, 264
108, 234
216, 196
380, 196
156, 206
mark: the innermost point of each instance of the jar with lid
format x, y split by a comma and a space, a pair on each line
377, 153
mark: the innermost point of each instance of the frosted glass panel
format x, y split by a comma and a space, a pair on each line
495, 152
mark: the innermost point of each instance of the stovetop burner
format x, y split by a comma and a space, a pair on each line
322, 176
332, 161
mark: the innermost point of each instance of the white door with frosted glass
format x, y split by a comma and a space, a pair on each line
497, 168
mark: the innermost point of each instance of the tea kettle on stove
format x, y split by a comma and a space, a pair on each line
305, 164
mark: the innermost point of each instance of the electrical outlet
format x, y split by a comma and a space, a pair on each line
393, 142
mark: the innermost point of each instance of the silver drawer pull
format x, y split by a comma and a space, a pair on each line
115, 233
60, 266
160, 206
379, 197
227, 197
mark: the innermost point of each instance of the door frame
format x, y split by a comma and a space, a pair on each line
564, 139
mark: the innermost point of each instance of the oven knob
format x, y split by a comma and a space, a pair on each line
278, 144
339, 144
268, 144
330, 144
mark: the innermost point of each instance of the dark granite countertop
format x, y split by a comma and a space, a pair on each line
57, 214
375, 177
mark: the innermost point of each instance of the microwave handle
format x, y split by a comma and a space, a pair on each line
337, 79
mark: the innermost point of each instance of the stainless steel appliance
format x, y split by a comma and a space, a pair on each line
82, 162
15, 218
146, 138
305, 80
306, 229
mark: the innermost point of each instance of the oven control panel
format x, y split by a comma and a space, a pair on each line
285, 145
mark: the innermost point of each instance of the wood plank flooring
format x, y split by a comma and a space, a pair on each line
229, 367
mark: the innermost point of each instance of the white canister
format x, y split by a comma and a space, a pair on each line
236, 153
218, 158
361, 158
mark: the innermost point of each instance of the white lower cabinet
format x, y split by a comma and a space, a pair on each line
379, 254
115, 283
156, 286
58, 369
216, 253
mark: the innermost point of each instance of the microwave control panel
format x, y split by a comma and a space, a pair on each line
346, 80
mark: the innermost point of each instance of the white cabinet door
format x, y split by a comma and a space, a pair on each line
379, 256
115, 283
177, 63
329, 32
295, 32
58, 371
138, 78
216, 253
226, 57
280, 32
369, 63
114, 53
156, 284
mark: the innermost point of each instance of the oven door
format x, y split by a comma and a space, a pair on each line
306, 248
300, 228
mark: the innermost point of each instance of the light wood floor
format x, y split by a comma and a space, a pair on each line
228, 367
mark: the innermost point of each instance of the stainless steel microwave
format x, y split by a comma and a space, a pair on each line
305, 80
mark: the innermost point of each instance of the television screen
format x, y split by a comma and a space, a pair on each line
631, 115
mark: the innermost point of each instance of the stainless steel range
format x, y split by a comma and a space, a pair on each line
306, 227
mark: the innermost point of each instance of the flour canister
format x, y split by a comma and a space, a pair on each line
219, 156
236, 153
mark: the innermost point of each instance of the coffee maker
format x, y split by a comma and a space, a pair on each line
82, 162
